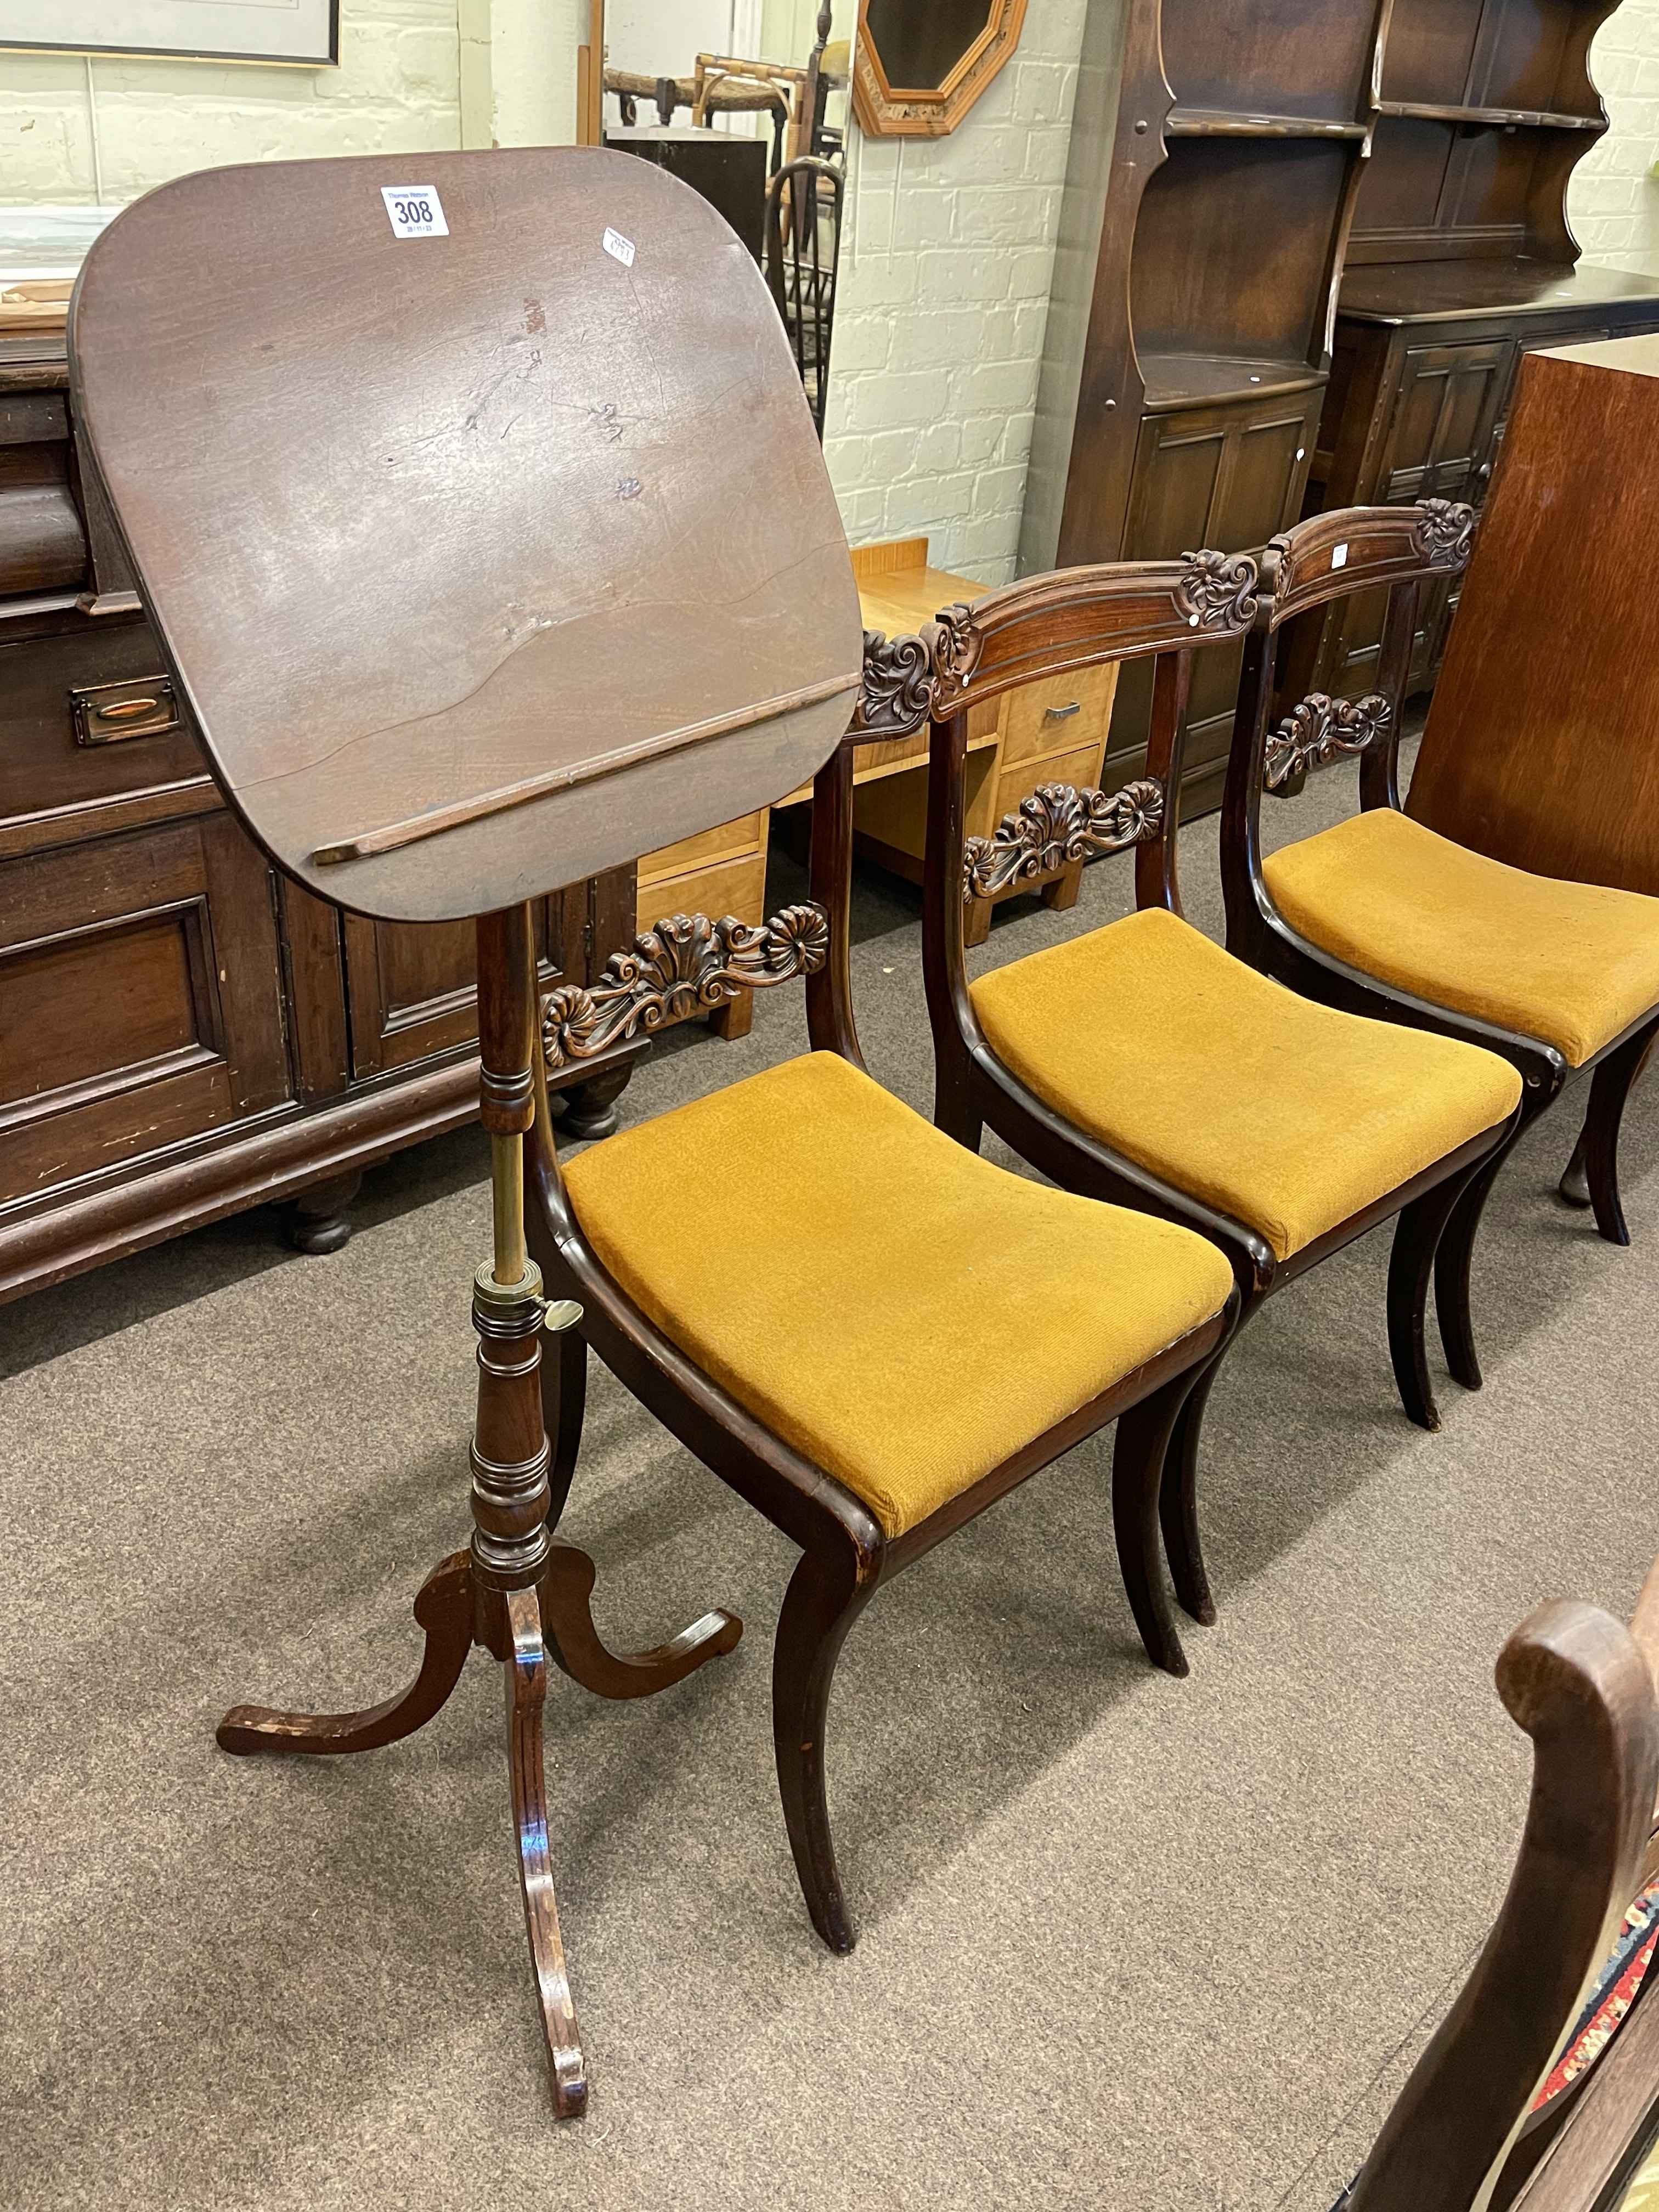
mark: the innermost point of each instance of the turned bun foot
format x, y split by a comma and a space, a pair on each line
590, 1108
319, 1219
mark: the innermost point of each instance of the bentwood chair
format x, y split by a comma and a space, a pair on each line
867, 1333
1141, 1064
803, 252
1545, 2074
1384, 917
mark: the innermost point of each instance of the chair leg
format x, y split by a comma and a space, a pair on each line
825, 1597
953, 1107
1178, 1504
1574, 1186
1417, 1235
1452, 1263
1138, 1457
1610, 1086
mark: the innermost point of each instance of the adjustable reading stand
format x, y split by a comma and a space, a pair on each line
483, 524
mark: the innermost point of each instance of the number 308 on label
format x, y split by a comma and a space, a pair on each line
416, 210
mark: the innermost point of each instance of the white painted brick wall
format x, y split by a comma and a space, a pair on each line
397, 89
1612, 201
943, 299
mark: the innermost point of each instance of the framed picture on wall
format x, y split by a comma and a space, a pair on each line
305, 33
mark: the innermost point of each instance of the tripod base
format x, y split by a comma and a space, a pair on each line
523, 1629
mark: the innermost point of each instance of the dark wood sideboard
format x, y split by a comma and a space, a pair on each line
183, 1032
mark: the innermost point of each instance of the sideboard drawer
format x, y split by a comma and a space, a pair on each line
140, 982
1059, 713
75, 726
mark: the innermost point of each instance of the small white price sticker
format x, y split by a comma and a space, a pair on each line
1338, 557
416, 210
619, 248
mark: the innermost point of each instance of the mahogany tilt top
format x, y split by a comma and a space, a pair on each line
477, 505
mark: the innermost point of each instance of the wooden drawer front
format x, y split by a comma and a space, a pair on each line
1059, 714
1079, 768
733, 887
139, 1003
747, 835
57, 691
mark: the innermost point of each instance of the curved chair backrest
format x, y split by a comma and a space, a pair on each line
1459, 2138
1329, 557
1049, 625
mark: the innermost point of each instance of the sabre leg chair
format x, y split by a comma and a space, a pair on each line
1544, 2076
867, 1333
1382, 916
1141, 1064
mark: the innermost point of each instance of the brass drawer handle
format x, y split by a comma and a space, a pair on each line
110, 713
1062, 713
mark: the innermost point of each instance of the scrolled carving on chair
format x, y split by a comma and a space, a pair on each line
1056, 824
686, 964
953, 642
1444, 533
1319, 729
1218, 590
897, 690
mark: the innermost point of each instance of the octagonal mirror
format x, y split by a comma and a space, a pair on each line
920, 64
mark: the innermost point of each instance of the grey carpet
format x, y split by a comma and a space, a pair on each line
1128, 1943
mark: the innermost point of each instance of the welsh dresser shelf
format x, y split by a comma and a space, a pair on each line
1503, 117
1228, 123
1186, 380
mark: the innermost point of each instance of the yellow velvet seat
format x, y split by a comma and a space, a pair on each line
1572, 964
904, 1314
1287, 1115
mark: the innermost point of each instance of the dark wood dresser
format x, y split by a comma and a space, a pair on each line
1303, 248
183, 1032
1215, 155
1459, 264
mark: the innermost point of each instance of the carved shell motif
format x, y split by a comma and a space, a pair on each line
687, 964
1056, 825
1217, 591
1318, 729
1444, 532
897, 686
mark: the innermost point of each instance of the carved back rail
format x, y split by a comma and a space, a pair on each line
1358, 549
690, 964
684, 964
1077, 618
